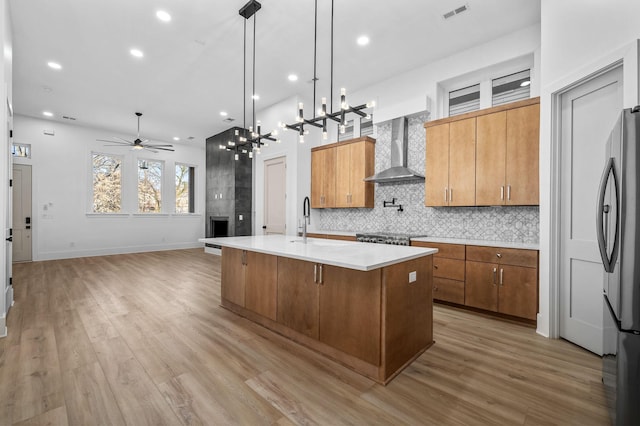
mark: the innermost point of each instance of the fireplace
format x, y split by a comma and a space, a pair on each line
218, 226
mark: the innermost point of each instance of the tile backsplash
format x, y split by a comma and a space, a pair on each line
507, 224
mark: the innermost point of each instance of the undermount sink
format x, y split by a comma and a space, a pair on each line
320, 242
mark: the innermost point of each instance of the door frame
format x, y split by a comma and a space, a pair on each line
628, 58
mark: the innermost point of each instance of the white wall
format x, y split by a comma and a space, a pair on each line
578, 38
62, 224
5, 160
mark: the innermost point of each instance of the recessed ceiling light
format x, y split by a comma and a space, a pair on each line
223, 113
255, 97
163, 16
54, 65
525, 83
137, 53
175, 138
293, 77
363, 40
47, 114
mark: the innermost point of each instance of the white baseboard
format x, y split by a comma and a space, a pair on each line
116, 250
3, 326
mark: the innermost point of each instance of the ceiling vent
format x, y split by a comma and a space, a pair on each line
190, 138
456, 11
229, 120
66, 117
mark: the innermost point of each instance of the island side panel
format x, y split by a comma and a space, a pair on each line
232, 277
408, 313
350, 311
261, 284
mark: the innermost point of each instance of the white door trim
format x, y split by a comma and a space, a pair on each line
628, 57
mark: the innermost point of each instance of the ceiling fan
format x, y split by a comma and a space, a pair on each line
138, 144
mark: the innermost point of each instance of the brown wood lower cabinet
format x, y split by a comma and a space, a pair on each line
375, 322
481, 287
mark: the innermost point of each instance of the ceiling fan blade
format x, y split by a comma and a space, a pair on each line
144, 141
155, 146
163, 149
123, 140
106, 140
123, 145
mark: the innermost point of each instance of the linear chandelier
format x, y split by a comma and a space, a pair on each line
320, 120
250, 140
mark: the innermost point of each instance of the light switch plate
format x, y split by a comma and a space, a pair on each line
412, 277
239, 217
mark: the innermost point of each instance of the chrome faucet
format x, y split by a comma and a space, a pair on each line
306, 213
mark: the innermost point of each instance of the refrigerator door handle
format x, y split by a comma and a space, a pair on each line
602, 210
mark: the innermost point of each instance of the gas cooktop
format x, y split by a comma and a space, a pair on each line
387, 238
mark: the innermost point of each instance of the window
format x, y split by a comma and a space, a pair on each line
464, 100
347, 133
21, 150
511, 88
185, 194
366, 125
149, 186
107, 183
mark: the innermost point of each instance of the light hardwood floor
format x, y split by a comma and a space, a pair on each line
140, 339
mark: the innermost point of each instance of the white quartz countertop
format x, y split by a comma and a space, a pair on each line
345, 254
444, 240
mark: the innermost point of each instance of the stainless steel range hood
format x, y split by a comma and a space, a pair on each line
398, 172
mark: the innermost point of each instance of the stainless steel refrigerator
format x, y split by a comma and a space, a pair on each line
618, 231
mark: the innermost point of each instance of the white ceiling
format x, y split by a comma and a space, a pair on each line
192, 68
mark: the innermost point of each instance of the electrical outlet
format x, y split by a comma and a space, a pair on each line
412, 277
240, 217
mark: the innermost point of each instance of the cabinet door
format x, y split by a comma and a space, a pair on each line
343, 175
523, 141
350, 311
297, 296
361, 166
518, 294
490, 160
436, 183
448, 290
323, 178
462, 162
481, 286
261, 284
232, 275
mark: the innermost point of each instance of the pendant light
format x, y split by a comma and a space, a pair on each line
320, 121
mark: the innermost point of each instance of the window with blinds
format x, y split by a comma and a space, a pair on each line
366, 125
348, 132
511, 88
464, 100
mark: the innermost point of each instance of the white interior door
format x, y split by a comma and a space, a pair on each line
275, 195
21, 213
589, 112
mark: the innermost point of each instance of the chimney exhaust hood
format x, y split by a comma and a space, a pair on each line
398, 172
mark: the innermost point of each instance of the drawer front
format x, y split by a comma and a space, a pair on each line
452, 269
503, 256
448, 290
451, 251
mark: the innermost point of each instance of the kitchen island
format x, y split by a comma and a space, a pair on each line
367, 306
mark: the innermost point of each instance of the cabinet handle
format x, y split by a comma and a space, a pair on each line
501, 273
321, 267
508, 192
244, 257
502, 192
495, 272
450, 195
435, 266
315, 272
445, 194
435, 288
499, 255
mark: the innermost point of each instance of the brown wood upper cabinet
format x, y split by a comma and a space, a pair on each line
484, 158
450, 164
338, 171
507, 157
323, 177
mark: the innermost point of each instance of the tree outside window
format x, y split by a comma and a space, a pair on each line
184, 188
149, 186
107, 183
